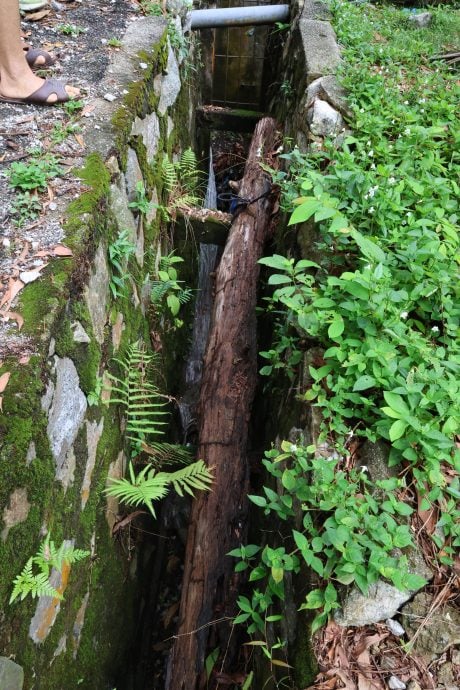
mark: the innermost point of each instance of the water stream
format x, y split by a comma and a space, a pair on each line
209, 256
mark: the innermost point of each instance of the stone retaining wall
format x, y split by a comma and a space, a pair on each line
57, 451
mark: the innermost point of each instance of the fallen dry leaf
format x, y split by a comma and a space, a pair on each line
4, 378
14, 316
79, 140
36, 16
61, 250
14, 286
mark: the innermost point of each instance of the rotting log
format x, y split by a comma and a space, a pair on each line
209, 226
218, 518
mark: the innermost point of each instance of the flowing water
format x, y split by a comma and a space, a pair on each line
209, 255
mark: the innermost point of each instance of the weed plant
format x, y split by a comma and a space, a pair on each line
384, 306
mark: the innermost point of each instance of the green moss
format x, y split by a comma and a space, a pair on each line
41, 299
304, 659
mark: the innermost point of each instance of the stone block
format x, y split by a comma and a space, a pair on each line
324, 120
149, 129
170, 84
16, 511
97, 292
11, 674
67, 412
321, 52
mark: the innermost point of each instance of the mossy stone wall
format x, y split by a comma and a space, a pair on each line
57, 451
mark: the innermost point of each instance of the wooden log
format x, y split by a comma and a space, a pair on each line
218, 519
208, 225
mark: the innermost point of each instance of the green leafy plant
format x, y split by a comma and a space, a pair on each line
167, 291
25, 207
70, 29
61, 131
145, 412
373, 321
34, 578
152, 8
35, 174
114, 43
73, 106
119, 252
141, 202
349, 532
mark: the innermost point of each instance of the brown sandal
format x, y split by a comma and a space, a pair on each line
32, 54
40, 96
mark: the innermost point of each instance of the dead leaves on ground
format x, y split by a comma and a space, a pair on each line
363, 659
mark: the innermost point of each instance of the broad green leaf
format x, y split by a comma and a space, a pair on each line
397, 429
397, 403
276, 261
371, 250
363, 383
304, 211
336, 328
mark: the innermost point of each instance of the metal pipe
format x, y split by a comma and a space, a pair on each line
238, 16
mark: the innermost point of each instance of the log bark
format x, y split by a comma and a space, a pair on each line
218, 518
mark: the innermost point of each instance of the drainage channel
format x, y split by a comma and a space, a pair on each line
228, 133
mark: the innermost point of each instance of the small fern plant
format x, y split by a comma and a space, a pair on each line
141, 399
144, 407
182, 182
34, 578
167, 289
150, 485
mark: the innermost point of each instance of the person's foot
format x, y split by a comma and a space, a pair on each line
27, 84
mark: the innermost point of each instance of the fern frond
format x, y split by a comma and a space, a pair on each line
36, 585
194, 476
145, 488
167, 454
169, 175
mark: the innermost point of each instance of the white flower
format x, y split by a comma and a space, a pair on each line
422, 100
404, 315
371, 210
406, 102
422, 110
372, 166
361, 110
364, 469
435, 329
407, 131
293, 447
371, 153
409, 214
391, 180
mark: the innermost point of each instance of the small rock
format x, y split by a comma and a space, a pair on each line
422, 20
52, 206
29, 276
395, 627
382, 602
11, 674
110, 97
324, 120
143, 65
79, 333
395, 684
